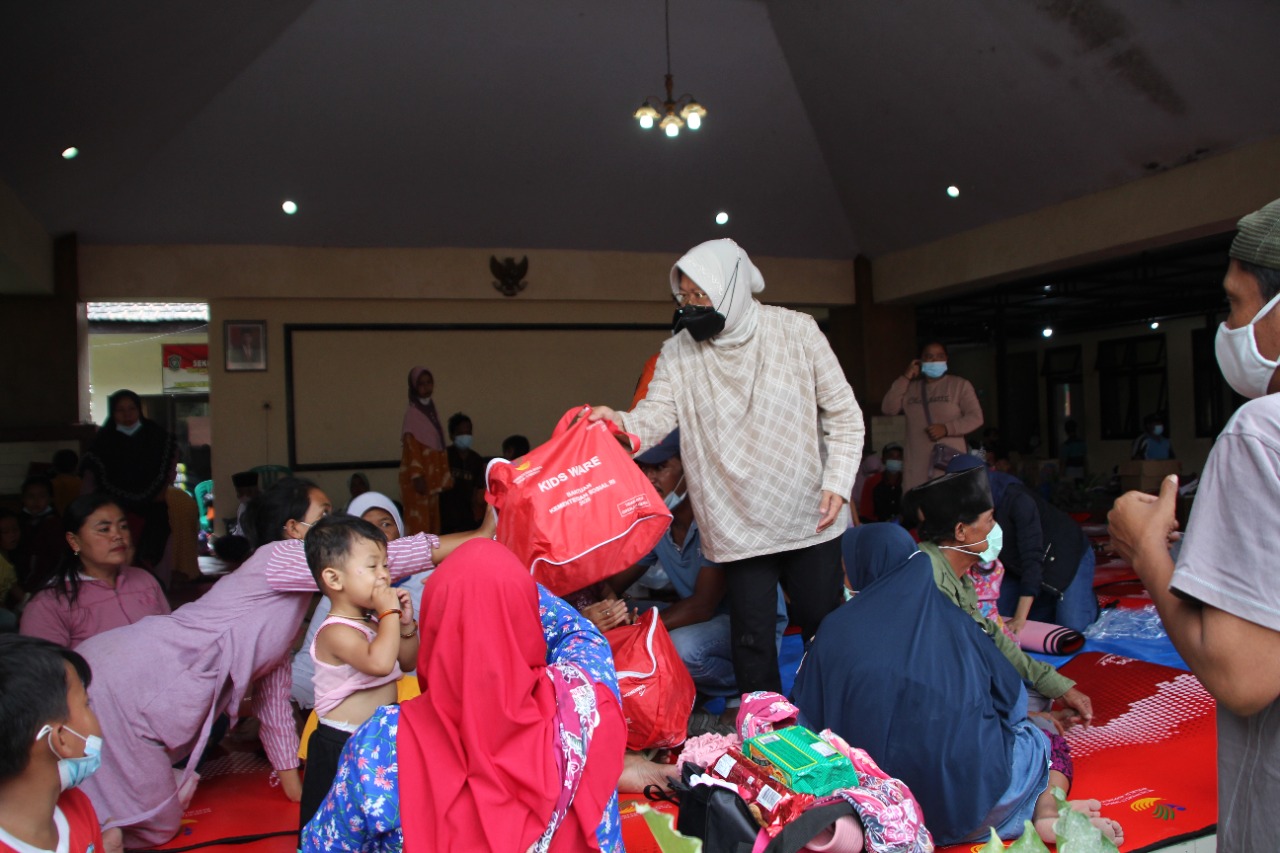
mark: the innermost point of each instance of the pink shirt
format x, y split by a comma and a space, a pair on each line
98, 607
334, 683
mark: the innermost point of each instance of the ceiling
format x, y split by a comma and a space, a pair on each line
834, 127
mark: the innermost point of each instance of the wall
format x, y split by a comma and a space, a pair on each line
26, 249
205, 273
1195, 200
249, 408
128, 361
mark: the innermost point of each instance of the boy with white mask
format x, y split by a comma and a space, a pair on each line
1221, 603
49, 742
771, 437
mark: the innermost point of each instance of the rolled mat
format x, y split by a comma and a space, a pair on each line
1049, 639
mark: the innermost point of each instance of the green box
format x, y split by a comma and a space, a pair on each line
802, 760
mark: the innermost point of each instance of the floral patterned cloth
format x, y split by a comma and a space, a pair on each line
362, 809
986, 583
891, 818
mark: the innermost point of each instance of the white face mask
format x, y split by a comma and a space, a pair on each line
130, 429
73, 771
672, 500
1244, 368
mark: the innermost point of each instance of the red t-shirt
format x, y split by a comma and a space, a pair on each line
81, 823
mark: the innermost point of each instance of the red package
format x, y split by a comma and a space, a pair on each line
576, 509
776, 803
657, 690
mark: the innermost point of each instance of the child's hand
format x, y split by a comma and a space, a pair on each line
290, 784
406, 605
385, 598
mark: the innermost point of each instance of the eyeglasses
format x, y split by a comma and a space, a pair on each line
686, 299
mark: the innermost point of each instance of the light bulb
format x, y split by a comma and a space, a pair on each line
1155, 324
1047, 331
646, 122
953, 191
694, 120
289, 207
70, 153
722, 218
673, 130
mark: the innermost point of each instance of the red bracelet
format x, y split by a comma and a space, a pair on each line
384, 614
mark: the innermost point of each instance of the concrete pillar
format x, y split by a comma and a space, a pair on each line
883, 342
44, 353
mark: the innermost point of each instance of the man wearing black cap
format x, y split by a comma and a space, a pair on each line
1221, 603
957, 529
699, 619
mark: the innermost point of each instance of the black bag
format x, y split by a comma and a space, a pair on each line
715, 814
795, 835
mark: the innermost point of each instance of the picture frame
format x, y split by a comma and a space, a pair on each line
244, 345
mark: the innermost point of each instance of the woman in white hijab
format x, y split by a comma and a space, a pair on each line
771, 437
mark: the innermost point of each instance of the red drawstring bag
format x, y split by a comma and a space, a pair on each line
657, 690
576, 509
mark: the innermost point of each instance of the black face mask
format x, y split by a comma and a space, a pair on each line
702, 321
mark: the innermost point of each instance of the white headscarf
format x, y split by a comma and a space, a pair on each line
362, 503
724, 272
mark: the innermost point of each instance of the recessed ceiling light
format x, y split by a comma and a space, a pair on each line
953, 191
722, 218
70, 153
1047, 331
289, 207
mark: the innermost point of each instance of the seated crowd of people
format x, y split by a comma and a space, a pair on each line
398, 673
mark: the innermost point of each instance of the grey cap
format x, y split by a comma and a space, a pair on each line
1258, 237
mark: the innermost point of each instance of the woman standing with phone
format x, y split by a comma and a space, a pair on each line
940, 409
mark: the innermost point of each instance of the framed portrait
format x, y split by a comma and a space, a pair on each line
244, 345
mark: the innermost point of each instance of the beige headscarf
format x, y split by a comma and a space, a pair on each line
724, 272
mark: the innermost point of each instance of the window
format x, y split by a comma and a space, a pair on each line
1215, 401
1133, 382
1063, 372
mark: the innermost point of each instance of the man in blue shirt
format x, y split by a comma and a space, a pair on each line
698, 620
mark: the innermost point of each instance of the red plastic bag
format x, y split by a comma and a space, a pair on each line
576, 509
657, 690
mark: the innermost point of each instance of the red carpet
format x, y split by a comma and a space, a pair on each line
1150, 756
236, 800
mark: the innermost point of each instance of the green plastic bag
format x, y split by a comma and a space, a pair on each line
1076, 833
663, 827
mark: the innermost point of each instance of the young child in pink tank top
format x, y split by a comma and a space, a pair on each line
361, 650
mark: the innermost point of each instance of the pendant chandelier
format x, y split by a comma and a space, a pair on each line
673, 113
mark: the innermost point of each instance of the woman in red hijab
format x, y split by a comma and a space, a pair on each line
516, 742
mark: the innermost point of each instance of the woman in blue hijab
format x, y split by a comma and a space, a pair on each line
905, 674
